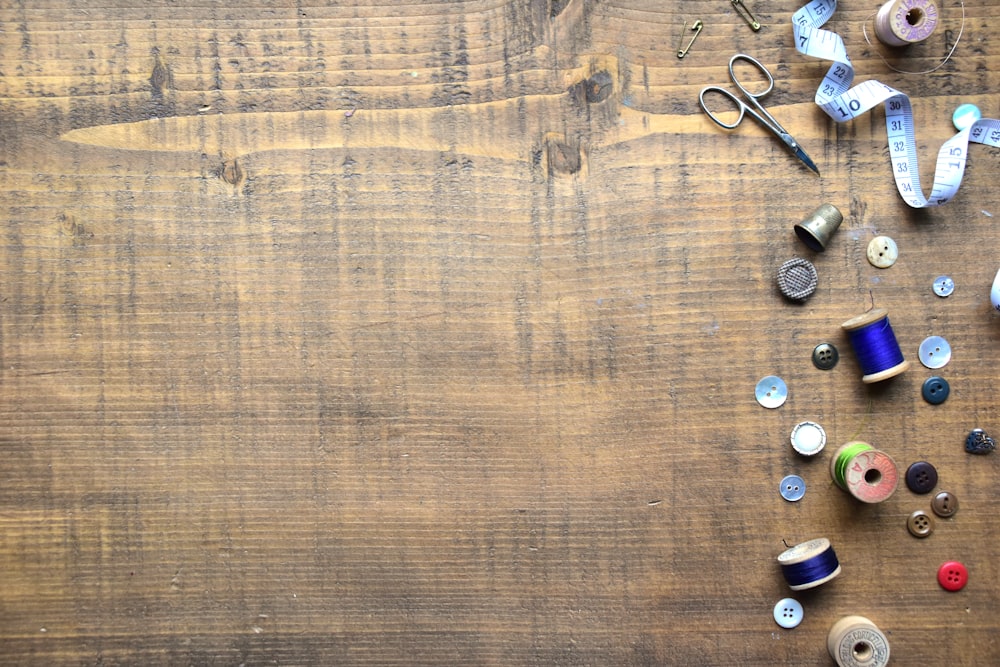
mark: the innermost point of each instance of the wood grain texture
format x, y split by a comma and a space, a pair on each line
426, 333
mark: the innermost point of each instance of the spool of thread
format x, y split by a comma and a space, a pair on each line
905, 22
854, 641
875, 346
864, 472
809, 564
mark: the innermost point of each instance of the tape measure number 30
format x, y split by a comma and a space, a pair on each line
843, 103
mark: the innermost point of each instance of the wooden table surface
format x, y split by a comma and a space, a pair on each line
392, 333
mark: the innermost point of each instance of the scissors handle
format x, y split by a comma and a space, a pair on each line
760, 68
740, 106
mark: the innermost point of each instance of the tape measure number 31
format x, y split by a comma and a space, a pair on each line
843, 103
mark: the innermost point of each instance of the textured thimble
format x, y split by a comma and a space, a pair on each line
816, 230
797, 279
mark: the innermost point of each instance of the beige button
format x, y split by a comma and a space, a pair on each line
920, 524
882, 252
944, 504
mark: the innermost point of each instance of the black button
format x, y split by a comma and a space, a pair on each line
921, 477
825, 356
935, 390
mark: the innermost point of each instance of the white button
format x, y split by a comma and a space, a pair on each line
882, 252
771, 392
792, 488
788, 613
808, 438
935, 352
944, 286
965, 115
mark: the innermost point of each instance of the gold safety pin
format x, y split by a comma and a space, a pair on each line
696, 26
745, 13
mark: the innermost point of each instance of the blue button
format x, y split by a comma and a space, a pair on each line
935, 390
965, 115
792, 488
788, 613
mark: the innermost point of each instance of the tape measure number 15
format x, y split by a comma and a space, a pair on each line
843, 103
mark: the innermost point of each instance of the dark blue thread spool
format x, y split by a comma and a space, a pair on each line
809, 564
875, 346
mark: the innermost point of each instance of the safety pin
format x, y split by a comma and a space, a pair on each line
748, 17
696, 26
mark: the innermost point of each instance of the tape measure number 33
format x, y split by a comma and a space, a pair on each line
843, 103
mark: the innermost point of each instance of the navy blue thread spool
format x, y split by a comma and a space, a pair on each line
875, 346
809, 564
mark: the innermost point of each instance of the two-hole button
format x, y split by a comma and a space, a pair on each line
945, 504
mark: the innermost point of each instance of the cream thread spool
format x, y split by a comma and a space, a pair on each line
864, 472
854, 641
905, 22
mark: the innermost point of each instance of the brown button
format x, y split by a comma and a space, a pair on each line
944, 504
920, 524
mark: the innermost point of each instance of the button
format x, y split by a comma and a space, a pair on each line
808, 438
951, 575
944, 504
977, 442
921, 477
788, 613
792, 488
920, 524
771, 392
797, 279
935, 352
965, 115
825, 356
882, 252
944, 286
935, 390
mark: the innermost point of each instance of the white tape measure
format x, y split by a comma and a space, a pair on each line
843, 103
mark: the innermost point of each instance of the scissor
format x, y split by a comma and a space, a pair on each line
757, 111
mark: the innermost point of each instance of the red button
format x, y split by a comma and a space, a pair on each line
953, 576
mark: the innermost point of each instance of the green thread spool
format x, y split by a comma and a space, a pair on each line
866, 473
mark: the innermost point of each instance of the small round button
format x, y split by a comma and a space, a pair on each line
792, 488
935, 352
825, 356
882, 252
797, 279
808, 438
788, 613
953, 576
944, 504
921, 477
944, 286
935, 390
771, 392
965, 115
920, 524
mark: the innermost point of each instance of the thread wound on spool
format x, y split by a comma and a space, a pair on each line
866, 473
809, 564
854, 641
904, 22
875, 346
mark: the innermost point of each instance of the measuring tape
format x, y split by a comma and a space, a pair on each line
843, 103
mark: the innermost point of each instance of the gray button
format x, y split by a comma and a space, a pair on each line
882, 252
788, 613
771, 392
792, 488
935, 352
944, 286
825, 356
808, 438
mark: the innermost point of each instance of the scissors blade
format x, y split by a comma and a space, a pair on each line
799, 153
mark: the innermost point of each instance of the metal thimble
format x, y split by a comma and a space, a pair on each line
816, 230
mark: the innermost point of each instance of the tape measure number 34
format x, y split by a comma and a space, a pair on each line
843, 103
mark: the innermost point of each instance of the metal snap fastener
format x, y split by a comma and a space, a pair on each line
771, 392
965, 115
920, 524
944, 504
977, 442
953, 576
808, 438
788, 613
825, 356
935, 390
882, 252
797, 279
944, 286
935, 352
792, 488
921, 477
